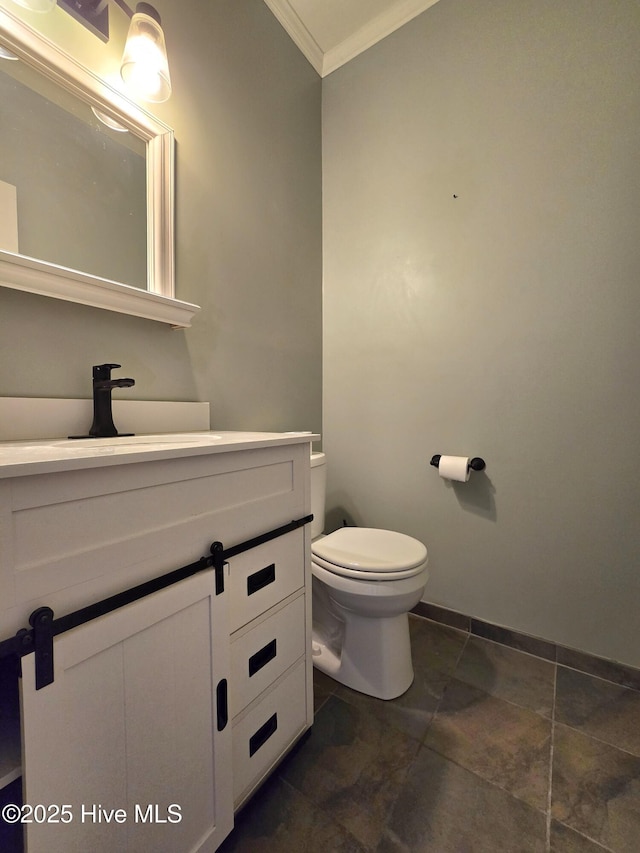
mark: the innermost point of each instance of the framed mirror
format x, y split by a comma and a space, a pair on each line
86, 211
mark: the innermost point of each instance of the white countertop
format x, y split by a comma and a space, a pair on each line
20, 458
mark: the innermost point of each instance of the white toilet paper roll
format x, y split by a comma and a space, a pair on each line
454, 468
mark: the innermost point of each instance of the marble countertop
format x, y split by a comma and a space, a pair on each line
20, 458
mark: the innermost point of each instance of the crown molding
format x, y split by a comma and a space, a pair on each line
398, 14
372, 32
290, 20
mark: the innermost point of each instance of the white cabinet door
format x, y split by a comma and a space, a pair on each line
127, 735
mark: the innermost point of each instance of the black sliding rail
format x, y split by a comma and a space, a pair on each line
44, 627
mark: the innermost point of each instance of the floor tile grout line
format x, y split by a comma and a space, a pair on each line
501, 643
555, 723
599, 678
484, 779
323, 703
452, 676
551, 750
459, 658
512, 648
598, 739
504, 699
543, 811
449, 678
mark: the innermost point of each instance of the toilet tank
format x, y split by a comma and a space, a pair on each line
318, 492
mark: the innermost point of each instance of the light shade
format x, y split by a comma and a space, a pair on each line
108, 121
36, 5
144, 65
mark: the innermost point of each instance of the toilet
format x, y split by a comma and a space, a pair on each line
365, 581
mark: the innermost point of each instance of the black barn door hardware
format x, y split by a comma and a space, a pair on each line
44, 627
222, 554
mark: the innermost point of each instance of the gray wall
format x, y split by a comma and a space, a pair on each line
501, 323
246, 115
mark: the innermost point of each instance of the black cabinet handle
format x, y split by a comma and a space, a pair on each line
262, 658
263, 734
258, 580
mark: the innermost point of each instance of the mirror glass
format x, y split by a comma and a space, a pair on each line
86, 212
72, 191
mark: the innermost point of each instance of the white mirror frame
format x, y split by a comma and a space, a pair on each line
22, 273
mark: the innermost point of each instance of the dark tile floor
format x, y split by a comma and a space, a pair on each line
491, 749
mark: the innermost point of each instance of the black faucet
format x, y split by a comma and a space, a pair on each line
103, 426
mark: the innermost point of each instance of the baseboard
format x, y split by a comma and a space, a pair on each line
627, 676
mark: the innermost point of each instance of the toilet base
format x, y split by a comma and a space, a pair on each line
374, 656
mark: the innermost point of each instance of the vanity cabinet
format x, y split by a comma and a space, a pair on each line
269, 619
175, 707
126, 735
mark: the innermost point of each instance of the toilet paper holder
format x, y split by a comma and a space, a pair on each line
476, 464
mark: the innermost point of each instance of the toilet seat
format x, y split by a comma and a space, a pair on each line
368, 553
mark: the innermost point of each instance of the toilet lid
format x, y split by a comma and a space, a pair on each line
368, 549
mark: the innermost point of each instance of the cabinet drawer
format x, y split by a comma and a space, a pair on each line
263, 576
262, 736
261, 654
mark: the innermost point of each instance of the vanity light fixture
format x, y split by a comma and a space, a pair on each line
144, 64
144, 67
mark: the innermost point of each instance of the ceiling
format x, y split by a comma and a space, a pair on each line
331, 32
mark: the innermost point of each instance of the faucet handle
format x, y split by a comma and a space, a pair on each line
103, 371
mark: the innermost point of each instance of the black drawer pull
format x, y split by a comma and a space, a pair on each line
262, 735
222, 704
258, 580
262, 658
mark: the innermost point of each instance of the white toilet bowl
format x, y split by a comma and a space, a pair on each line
365, 581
